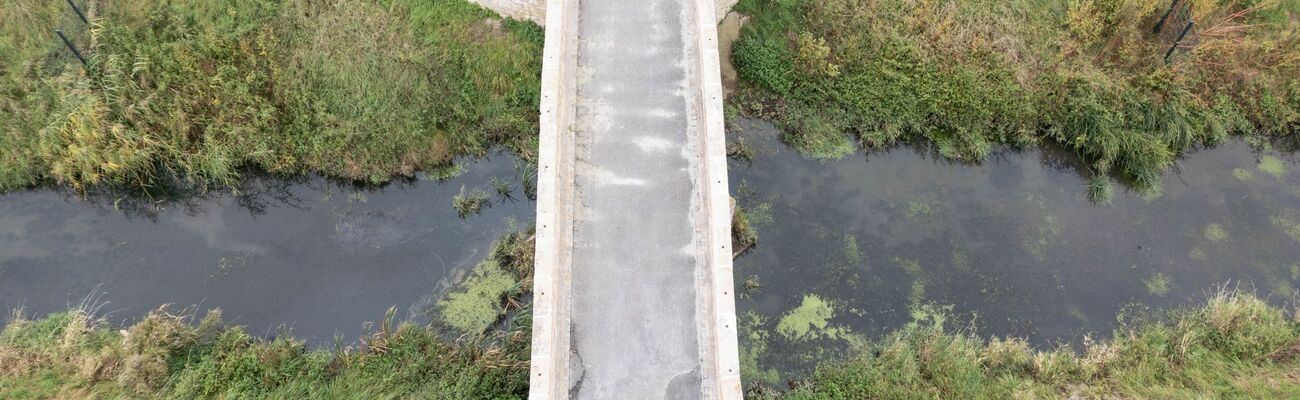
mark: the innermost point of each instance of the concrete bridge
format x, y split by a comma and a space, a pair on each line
633, 293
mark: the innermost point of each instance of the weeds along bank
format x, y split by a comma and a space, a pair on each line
1088, 75
361, 90
73, 355
1235, 346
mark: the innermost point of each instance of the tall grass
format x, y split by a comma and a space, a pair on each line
1088, 75
204, 90
1235, 346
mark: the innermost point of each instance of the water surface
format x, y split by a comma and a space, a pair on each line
1013, 246
310, 255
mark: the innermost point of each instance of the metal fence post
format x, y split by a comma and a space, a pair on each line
78, 11
1186, 29
72, 47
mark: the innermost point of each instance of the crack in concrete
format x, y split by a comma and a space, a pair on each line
575, 364
686, 385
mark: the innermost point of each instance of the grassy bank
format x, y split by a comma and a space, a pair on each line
201, 91
1087, 75
1233, 347
72, 355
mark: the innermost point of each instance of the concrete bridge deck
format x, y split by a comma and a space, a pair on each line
633, 294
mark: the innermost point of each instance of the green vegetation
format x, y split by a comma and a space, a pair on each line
71, 355
494, 287
165, 356
740, 150
470, 203
751, 285
1100, 189
811, 320
916, 295
1216, 234
917, 209
1243, 174
1236, 346
852, 253
1273, 166
743, 234
196, 93
1086, 75
1287, 225
1158, 284
753, 345
477, 307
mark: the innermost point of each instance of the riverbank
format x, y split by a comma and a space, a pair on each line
74, 354
198, 94
968, 76
1233, 346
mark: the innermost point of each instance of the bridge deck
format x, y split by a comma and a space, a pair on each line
635, 260
643, 316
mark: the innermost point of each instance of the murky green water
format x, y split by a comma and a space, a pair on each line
848, 249
859, 247
312, 256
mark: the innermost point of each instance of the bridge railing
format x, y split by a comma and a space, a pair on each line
722, 348
549, 370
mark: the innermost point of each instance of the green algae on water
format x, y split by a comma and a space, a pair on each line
1216, 234
916, 294
754, 341
1243, 174
912, 267
1273, 166
752, 284
919, 208
960, 261
478, 305
1287, 225
1041, 239
810, 320
851, 251
1157, 284
761, 214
